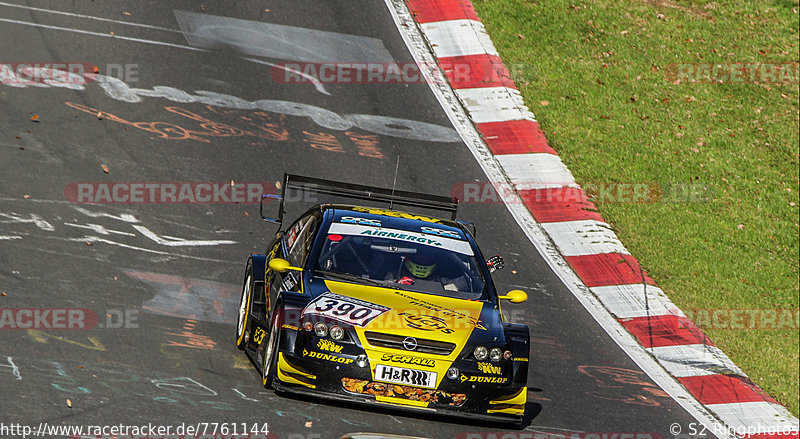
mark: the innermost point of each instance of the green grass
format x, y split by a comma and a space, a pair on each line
595, 74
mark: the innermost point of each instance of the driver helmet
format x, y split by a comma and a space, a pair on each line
421, 264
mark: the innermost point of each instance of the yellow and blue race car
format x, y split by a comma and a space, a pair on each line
378, 305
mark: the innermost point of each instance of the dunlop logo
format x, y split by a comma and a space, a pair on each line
480, 379
327, 345
327, 357
489, 368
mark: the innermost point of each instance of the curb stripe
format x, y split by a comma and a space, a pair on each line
426, 11
608, 269
473, 71
536, 171
635, 300
724, 389
494, 104
514, 137
694, 360
587, 237
458, 38
559, 204
665, 330
761, 414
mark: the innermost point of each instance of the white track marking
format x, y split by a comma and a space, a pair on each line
585, 237
13, 367
9, 237
88, 17
533, 230
125, 217
99, 229
459, 37
32, 200
169, 241
494, 104
317, 84
311, 78
32, 219
279, 41
94, 239
101, 34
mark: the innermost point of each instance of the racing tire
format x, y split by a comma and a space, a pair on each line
244, 306
269, 365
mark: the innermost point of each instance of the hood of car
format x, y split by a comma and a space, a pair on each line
403, 329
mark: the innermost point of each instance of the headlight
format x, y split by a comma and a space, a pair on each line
495, 354
337, 333
308, 326
361, 361
321, 329
453, 373
480, 353
507, 355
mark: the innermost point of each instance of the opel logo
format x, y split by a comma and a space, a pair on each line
410, 343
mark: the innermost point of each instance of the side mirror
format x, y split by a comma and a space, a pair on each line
513, 296
282, 266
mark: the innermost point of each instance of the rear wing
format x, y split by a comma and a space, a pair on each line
359, 192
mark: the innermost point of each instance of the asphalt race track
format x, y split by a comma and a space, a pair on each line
191, 95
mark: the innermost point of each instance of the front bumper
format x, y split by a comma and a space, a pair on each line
338, 377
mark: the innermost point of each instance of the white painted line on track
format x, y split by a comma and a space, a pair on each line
88, 17
317, 84
418, 48
100, 34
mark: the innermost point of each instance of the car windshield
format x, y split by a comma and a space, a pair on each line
402, 259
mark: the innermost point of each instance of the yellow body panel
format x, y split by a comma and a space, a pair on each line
400, 401
418, 315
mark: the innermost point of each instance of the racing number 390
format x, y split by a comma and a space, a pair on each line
339, 308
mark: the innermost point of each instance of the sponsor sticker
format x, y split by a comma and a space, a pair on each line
426, 322
357, 220
459, 316
407, 359
327, 357
427, 239
440, 232
327, 345
489, 368
395, 214
345, 309
399, 375
483, 379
